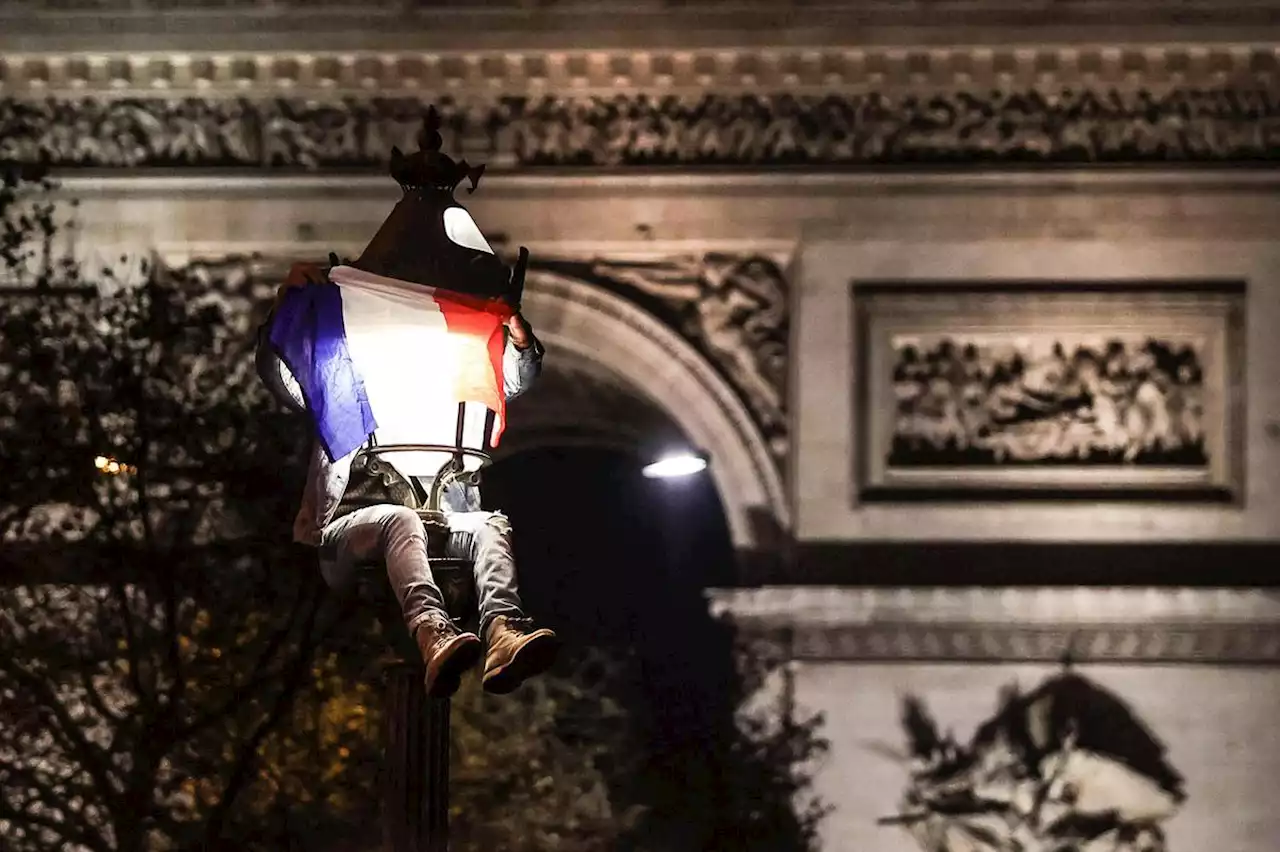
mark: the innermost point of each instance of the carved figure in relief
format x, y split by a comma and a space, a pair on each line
337, 137
185, 140
1067, 767
737, 309
236, 131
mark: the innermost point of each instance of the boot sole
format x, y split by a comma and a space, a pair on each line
449, 677
532, 659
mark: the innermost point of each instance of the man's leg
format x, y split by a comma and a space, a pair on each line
394, 534
485, 538
516, 649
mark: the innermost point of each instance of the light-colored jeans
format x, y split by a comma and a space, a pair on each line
394, 534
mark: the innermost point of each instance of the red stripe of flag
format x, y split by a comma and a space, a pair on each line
475, 326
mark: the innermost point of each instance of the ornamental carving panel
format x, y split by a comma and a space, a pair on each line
1069, 764
734, 308
1031, 126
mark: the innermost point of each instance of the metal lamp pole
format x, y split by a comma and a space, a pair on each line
415, 786
415, 782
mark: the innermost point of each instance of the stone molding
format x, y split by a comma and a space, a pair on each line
822, 70
1018, 126
771, 185
1010, 625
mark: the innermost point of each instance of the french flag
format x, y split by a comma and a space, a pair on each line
375, 356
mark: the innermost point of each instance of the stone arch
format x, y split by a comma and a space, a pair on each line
578, 403
594, 324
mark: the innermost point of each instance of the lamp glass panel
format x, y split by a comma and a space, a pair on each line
439, 427
463, 230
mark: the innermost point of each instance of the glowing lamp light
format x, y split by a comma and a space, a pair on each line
409, 367
676, 465
409, 370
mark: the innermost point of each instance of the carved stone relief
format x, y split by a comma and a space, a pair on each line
1070, 126
733, 308
1037, 772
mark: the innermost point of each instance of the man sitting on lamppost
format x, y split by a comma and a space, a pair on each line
419, 336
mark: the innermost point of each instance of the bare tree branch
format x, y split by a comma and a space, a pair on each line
121, 594
66, 730
261, 674
239, 775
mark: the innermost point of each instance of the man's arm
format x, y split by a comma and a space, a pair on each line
521, 359
277, 378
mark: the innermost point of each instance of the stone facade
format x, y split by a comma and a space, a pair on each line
701, 188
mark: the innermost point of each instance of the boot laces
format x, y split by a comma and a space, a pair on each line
441, 621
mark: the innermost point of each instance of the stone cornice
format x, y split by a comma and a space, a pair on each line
391, 24
758, 184
481, 74
1011, 625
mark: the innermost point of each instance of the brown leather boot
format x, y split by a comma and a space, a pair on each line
517, 651
447, 654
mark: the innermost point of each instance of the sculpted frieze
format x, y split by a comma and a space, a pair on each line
734, 308
1070, 126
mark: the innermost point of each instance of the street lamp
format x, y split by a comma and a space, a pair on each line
400, 368
678, 464
427, 296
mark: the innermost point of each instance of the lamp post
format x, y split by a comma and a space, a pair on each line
398, 361
435, 433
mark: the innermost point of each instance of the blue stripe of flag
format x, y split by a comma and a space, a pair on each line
309, 335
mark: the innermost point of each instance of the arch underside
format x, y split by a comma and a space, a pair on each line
618, 376
578, 403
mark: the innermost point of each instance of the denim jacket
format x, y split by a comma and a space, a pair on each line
326, 480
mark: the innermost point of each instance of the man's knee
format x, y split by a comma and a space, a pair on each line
495, 526
399, 521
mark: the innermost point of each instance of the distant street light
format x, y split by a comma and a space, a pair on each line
677, 465
112, 467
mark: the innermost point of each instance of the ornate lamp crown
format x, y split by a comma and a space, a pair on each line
428, 168
430, 238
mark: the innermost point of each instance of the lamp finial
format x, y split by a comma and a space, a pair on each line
429, 138
428, 167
